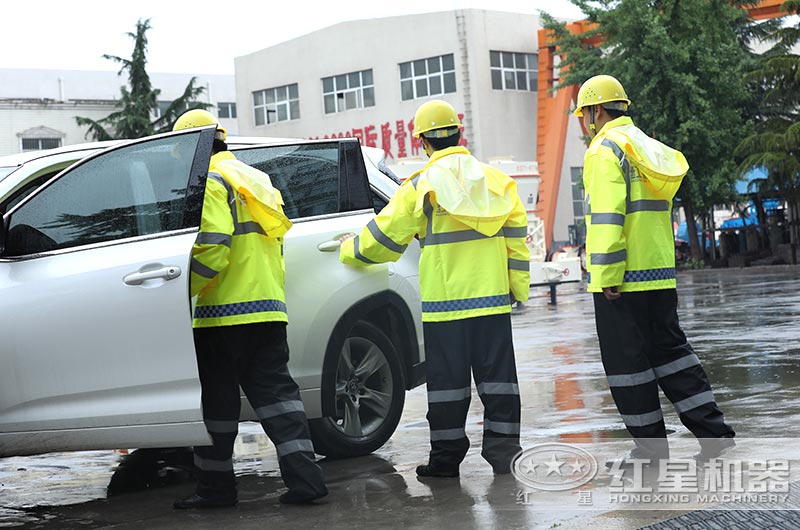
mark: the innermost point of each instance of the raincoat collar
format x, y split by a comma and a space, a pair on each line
616, 122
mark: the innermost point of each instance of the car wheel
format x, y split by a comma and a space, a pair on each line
368, 392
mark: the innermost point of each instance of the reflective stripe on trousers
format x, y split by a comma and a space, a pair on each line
643, 347
253, 356
455, 349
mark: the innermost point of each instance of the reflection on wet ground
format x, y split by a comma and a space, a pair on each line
740, 322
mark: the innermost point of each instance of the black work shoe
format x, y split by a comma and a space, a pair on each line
713, 448
430, 470
292, 497
197, 501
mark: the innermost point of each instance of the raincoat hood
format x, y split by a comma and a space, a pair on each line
478, 195
254, 188
662, 166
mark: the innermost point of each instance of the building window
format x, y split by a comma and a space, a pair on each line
226, 110
276, 104
355, 90
427, 77
513, 71
38, 144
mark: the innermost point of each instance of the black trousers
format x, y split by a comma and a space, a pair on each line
643, 347
255, 357
484, 345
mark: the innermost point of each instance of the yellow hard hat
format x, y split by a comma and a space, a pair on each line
199, 118
437, 119
602, 90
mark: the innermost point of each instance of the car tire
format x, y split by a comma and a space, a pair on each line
368, 393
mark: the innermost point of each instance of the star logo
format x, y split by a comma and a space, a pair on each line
554, 467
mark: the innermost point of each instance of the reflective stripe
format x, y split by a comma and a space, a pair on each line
279, 409
639, 378
446, 396
647, 205
205, 464
248, 227
608, 258
649, 275
448, 434
231, 195
294, 446
519, 265
640, 420
614, 147
213, 238
203, 270
466, 303
501, 427
498, 389
608, 219
239, 308
222, 426
383, 239
693, 402
677, 365
515, 231
358, 254
460, 236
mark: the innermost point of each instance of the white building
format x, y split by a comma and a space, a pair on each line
38, 107
366, 78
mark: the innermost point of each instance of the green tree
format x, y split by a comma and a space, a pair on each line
775, 145
139, 101
682, 63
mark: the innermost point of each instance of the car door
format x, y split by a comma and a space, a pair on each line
96, 344
326, 193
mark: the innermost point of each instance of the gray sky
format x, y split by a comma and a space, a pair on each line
196, 37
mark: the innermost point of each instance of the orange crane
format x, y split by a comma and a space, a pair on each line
553, 113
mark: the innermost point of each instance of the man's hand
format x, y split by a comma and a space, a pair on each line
345, 237
611, 293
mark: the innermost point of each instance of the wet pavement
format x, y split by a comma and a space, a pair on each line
741, 322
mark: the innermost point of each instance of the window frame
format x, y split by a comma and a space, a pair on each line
59, 141
290, 105
530, 70
417, 78
340, 94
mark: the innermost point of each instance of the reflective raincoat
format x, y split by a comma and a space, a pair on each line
471, 226
630, 180
237, 260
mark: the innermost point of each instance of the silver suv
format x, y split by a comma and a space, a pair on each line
96, 344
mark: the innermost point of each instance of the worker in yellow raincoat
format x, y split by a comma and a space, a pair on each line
472, 228
630, 180
237, 273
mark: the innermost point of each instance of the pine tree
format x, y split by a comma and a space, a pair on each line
139, 101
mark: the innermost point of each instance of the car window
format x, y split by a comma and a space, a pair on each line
315, 178
136, 190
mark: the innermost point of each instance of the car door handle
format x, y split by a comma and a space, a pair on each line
329, 246
137, 278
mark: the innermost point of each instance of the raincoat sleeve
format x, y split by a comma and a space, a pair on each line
213, 244
515, 230
387, 236
605, 239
